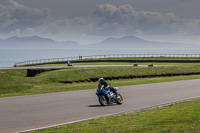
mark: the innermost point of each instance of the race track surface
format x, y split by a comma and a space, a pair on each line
44, 110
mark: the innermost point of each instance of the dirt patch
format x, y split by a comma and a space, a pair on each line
89, 71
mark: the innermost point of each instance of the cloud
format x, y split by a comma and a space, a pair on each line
16, 31
29, 31
113, 14
14, 15
130, 20
126, 20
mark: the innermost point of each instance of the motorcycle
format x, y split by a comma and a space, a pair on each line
106, 97
69, 63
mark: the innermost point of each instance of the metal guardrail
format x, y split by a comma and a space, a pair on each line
102, 56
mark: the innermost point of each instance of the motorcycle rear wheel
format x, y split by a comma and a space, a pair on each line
102, 101
119, 99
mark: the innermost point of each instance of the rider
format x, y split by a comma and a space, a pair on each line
102, 82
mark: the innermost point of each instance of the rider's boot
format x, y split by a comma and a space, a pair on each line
115, 93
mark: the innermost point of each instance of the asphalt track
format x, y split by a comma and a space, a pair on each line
31, 112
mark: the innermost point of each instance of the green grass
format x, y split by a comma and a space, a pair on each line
87, 73
176, 118
15, 82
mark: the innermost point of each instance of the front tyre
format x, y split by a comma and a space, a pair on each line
103, 101
119, 99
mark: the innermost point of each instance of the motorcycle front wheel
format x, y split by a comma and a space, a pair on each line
119, 99
103, 101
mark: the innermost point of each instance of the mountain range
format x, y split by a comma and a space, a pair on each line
135, 42
36, 42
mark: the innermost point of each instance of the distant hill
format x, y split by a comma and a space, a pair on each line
35, 42
135, 42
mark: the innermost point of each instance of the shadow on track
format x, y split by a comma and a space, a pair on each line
95, 106
101, 105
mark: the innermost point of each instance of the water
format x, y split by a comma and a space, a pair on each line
8, 57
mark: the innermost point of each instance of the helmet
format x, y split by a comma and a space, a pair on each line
101, 80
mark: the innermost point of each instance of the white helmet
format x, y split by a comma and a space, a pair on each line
101, 80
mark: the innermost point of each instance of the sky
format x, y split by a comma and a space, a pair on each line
90, 21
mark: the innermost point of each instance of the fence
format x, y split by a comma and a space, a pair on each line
102, 56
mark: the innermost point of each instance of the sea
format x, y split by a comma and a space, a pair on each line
8, 57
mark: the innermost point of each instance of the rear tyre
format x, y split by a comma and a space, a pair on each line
103, 101
119, 99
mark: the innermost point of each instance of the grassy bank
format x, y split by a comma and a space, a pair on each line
87, 73
180, 118
15, 82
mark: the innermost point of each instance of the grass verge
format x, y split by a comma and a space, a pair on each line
180, 118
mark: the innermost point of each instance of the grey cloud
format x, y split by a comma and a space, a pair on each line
132, 20
14, 15
114, 14
128, 21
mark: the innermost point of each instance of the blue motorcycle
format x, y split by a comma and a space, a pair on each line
107, 97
